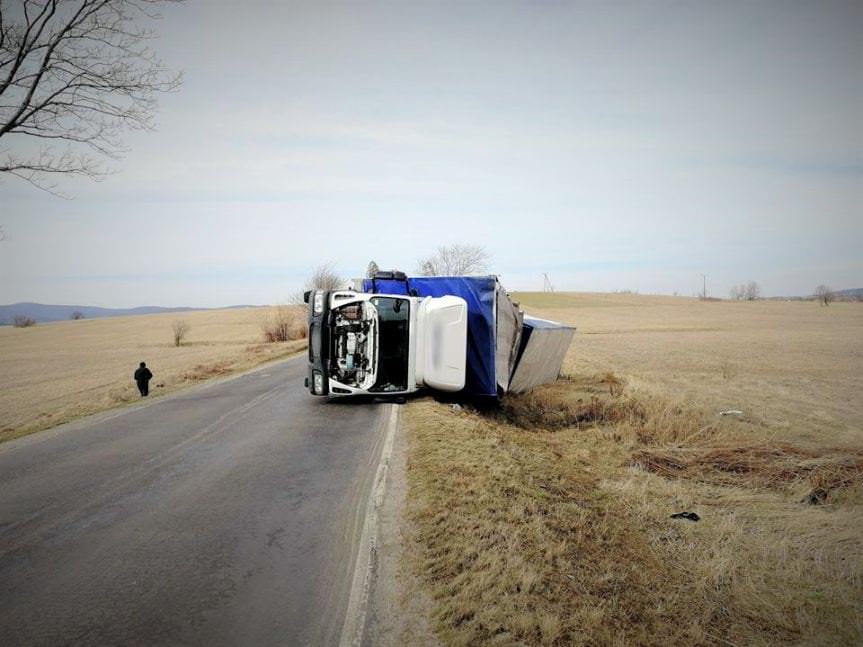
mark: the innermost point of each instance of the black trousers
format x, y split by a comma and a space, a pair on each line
144, 387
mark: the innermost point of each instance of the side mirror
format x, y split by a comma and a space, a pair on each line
306, 296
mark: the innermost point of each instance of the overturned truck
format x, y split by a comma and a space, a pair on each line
393, 335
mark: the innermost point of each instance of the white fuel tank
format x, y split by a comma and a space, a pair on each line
441, 360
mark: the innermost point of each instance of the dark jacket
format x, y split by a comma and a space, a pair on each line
143, 375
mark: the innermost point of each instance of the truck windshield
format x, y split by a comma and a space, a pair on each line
393, 337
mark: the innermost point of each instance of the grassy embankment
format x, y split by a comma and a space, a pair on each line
54, 373
548, 521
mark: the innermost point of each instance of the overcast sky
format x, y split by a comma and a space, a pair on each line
612, 145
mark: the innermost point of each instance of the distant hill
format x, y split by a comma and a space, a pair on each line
853, 292
42, 313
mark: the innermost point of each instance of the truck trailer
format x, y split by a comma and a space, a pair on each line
392, 335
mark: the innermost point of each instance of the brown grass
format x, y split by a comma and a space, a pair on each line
776, 466
519, 545
795, 369
548, 520
56, 372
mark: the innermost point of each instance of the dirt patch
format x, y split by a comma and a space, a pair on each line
207, 371
776, 466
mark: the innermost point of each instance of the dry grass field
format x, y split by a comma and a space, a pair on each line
547, 521
793, 367
53, 373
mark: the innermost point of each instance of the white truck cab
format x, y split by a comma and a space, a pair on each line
382, 344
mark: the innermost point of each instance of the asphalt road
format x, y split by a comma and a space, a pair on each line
227, 515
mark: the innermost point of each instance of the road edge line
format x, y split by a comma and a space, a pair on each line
358, 602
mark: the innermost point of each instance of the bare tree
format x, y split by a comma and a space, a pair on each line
23, 321
824, 295
749, 291
455, 260
180, 329
74, 75
752, 291
76, 315
372, 269
324, 277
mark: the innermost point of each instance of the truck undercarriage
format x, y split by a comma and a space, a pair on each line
353, 357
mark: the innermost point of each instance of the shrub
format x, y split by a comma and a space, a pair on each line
22, 321
180, 329
286, 324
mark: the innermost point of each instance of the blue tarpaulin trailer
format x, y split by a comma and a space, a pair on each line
506, 351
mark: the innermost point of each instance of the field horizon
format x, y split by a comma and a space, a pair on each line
55, 372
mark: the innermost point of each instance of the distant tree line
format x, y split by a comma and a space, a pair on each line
749, 291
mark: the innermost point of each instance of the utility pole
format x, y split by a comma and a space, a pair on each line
704, 289
546, 284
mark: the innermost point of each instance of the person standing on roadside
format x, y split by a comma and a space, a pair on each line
142, 378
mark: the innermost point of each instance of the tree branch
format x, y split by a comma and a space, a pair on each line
77, 71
